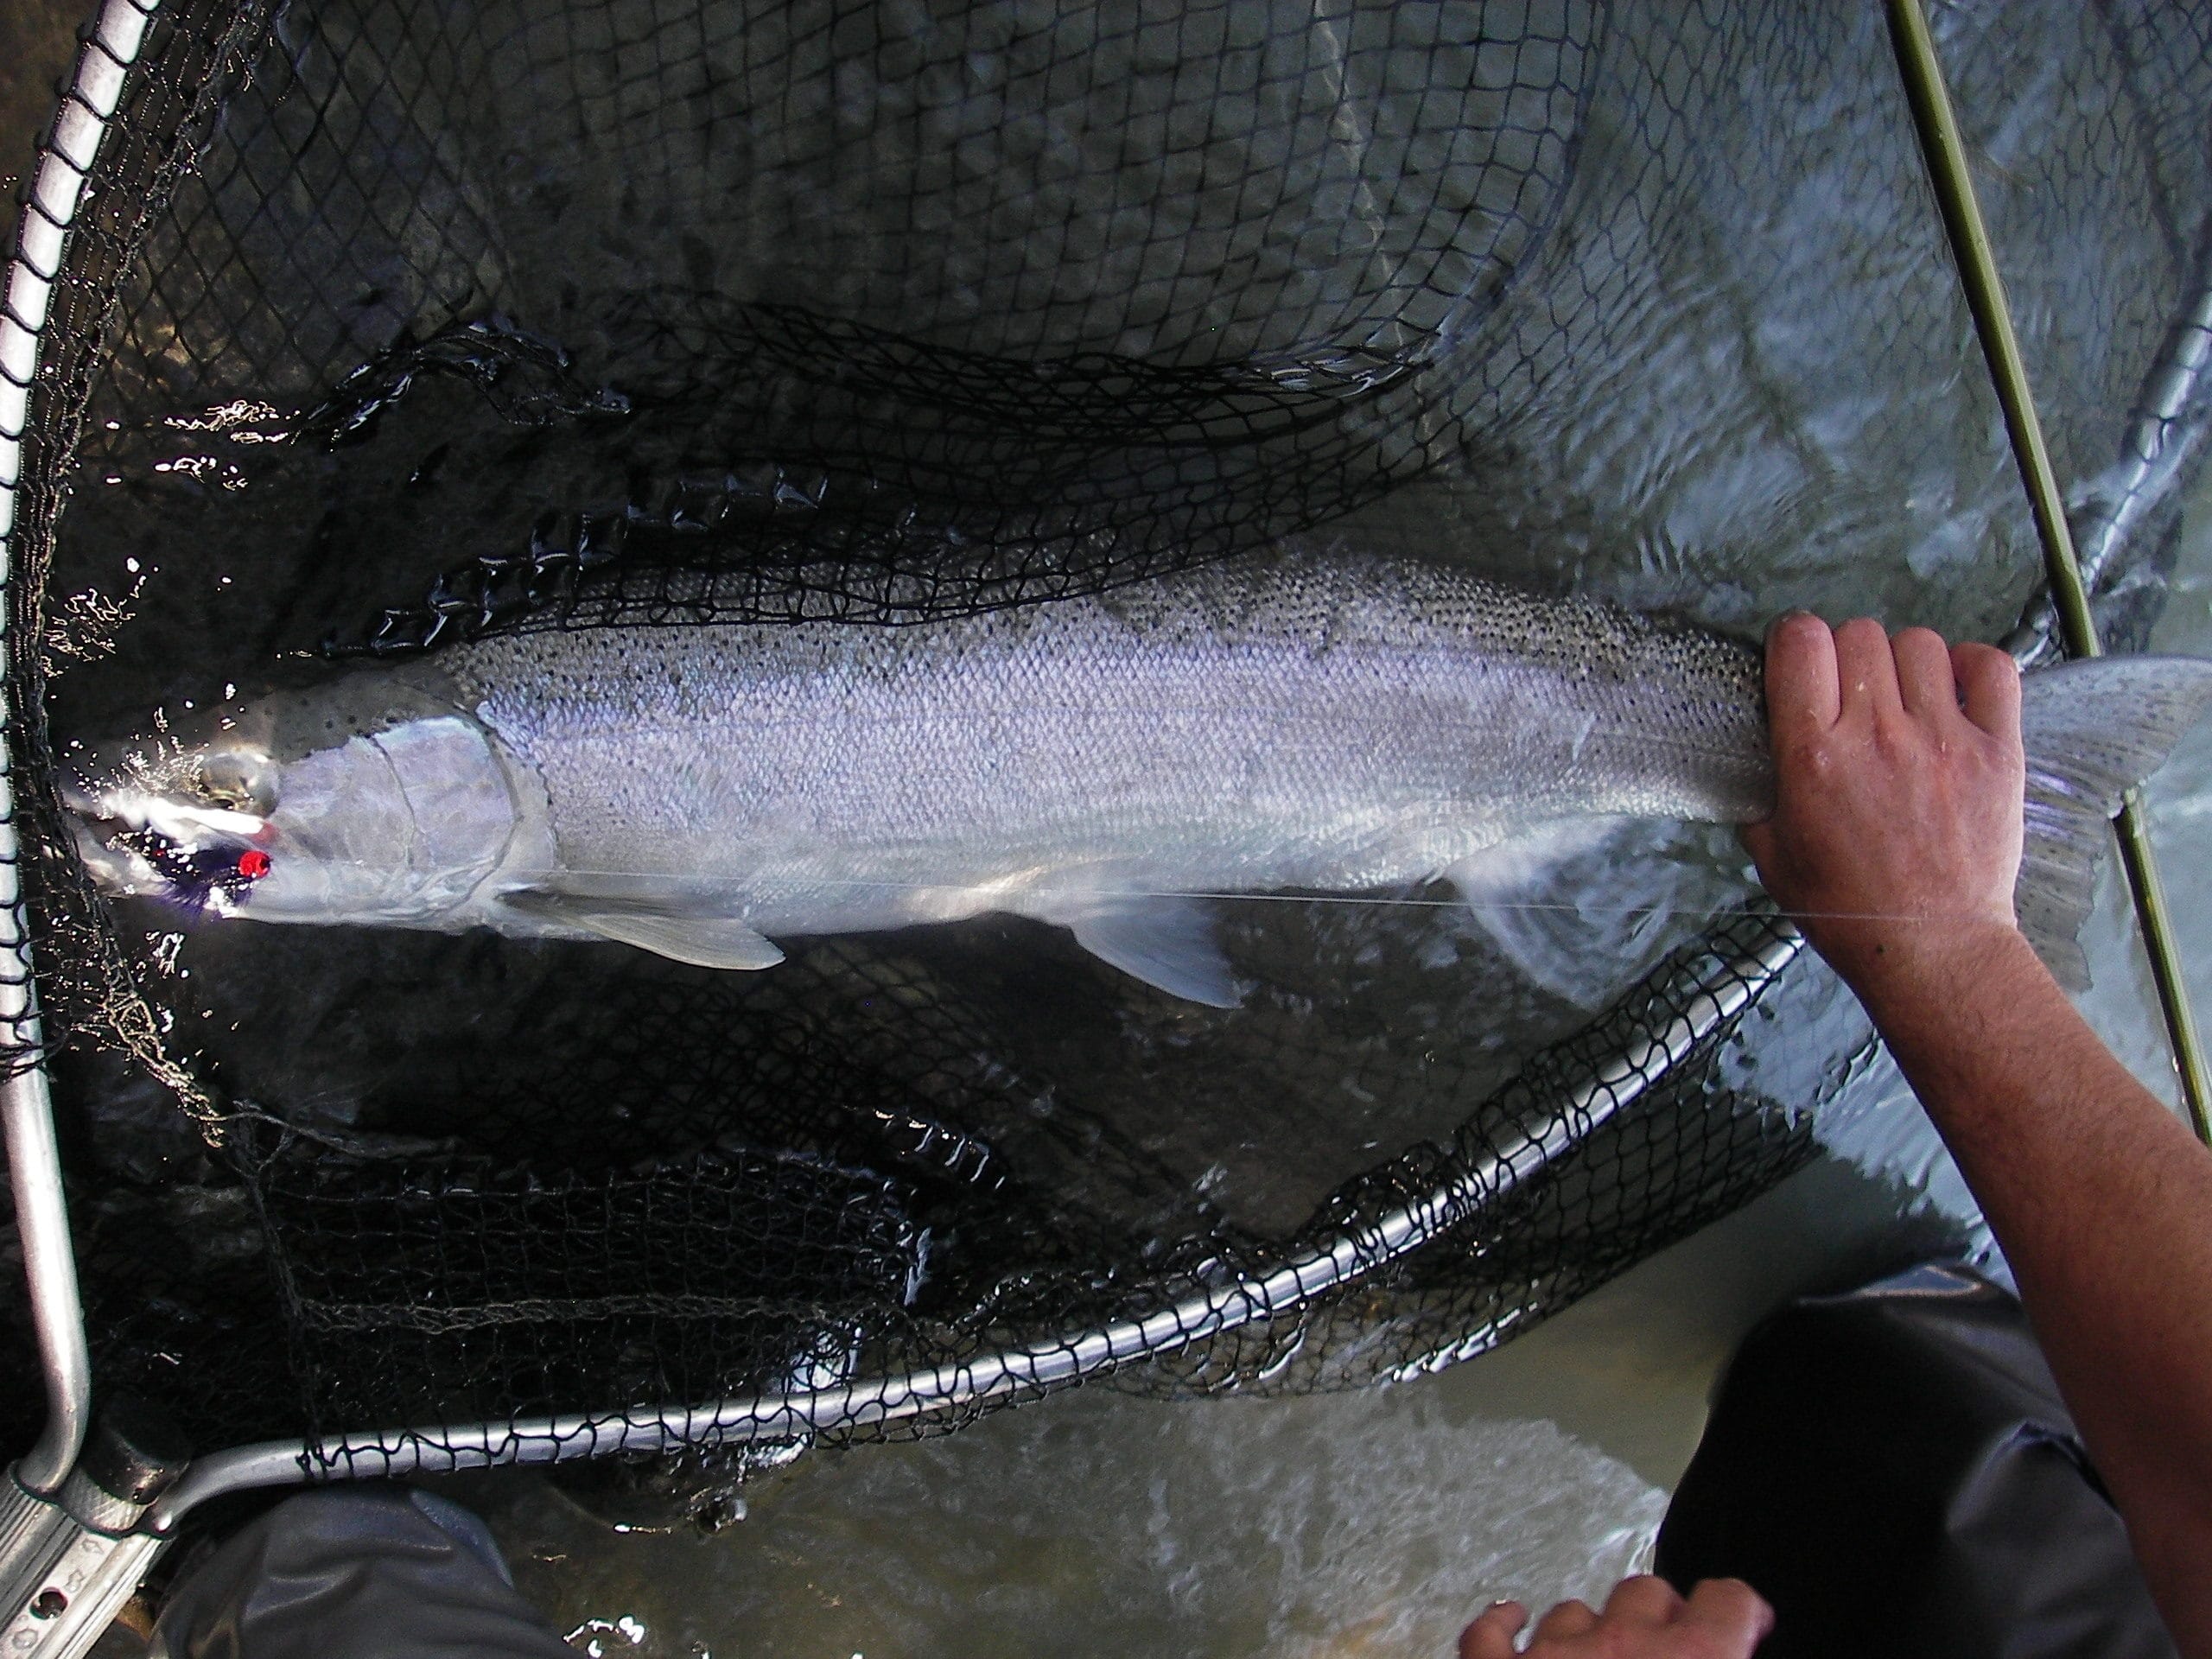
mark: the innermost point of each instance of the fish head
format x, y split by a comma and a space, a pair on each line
371, 803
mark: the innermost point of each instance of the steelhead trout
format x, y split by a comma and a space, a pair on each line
1302, 721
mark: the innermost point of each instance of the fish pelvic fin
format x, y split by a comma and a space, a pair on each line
2093, 730
704, 941
1551, 945
1168, 943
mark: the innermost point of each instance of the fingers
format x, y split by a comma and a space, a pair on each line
1924, 677
1727, 1611
1491, 1636
1732, 1611
1566, 1621
1989, 682
1644, 1600
1866, 671
1761, 841
1815, 676
1800, 676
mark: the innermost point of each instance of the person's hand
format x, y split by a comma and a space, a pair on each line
1723, 1618
1898, 775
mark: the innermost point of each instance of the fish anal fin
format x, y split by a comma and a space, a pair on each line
1509, 868
1167, 943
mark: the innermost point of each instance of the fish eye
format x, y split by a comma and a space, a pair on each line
237, 779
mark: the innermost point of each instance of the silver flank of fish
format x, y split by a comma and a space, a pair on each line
1292, 723
1305, 720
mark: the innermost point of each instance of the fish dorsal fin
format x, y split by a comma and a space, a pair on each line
705, 941
1167, 943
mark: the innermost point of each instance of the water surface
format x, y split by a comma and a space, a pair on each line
1731, 376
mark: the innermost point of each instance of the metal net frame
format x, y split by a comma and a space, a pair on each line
767, 1270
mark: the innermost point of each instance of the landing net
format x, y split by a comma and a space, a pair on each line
383, 324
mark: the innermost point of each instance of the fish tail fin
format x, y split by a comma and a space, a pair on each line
2093, 729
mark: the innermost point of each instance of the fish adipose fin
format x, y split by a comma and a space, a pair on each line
705, 941
2093, 729
1167, 943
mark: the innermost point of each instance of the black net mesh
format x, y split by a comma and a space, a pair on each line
396, 322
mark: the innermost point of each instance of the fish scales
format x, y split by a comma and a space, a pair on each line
1302, 721
1264, 725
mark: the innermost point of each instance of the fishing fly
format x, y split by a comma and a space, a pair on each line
198, 878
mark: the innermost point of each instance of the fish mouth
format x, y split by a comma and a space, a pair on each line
116, 870
137, 842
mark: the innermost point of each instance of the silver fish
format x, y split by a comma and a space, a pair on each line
1305, 719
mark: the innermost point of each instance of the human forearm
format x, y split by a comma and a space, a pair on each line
1896, 842
2103, 1203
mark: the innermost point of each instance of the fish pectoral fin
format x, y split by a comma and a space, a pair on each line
709, 941
1169, 944
705, 941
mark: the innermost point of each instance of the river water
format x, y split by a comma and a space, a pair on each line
1734, 376
1374, 1522
1370, 1522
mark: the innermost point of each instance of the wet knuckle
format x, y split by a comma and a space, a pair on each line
1809, 751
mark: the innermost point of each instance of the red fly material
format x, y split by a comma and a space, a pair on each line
195, 876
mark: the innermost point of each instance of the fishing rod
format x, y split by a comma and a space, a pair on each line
1943, 149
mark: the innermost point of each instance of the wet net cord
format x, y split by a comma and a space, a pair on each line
1710, 996
33, 1152
469, 1267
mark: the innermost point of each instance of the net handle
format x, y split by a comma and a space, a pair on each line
26, 1107
1943, 150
